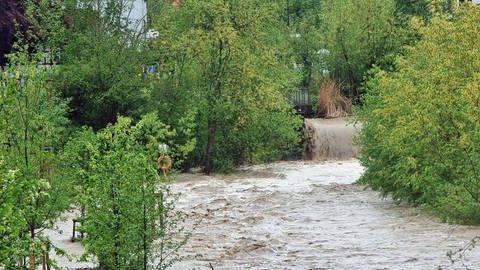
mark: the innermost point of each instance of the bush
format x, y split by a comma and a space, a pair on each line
421, 125
32, 196
127, 206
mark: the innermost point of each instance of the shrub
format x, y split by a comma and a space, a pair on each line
32, 196
126, 203
421, 125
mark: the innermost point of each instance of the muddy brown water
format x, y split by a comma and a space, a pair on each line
330, 139
304, 215
310, 215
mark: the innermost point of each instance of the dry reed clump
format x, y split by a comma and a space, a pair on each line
331, 102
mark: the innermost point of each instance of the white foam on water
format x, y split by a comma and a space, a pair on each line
309, 215
303, 215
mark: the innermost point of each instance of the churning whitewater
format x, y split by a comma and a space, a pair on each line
308, 215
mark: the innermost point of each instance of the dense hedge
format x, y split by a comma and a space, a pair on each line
421, 124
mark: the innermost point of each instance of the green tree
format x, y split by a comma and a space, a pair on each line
170, 97
125, 202
420, 130
172, 234
358, 35
32, 121
237, 76
11, 224
76, 165
306, 41
297, 10
101, 60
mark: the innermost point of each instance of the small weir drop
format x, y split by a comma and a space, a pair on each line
330, 139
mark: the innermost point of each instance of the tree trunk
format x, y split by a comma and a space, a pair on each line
31, 259
219, 64
144, 236
212, 130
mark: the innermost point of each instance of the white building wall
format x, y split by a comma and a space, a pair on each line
138, 15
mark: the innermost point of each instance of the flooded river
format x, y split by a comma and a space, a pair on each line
305, 215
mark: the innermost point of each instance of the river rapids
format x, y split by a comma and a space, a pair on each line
305, 215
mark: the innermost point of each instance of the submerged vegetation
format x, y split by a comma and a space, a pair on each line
89, 102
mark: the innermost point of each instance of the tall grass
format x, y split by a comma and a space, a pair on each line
331, 102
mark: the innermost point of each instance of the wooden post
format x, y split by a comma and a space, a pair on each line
162, 213
73, 232
82, 215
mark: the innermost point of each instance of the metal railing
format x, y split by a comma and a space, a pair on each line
302, 101
301, 97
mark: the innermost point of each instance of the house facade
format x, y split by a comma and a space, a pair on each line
138, 15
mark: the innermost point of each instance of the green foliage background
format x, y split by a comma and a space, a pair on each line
358, 35
230, 67
420, 135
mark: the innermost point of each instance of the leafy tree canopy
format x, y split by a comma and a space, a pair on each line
358, 35
420, 132
236, 76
